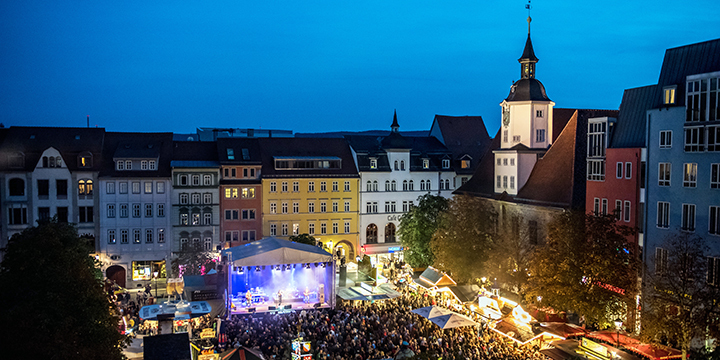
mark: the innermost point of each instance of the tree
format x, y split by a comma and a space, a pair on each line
463, 241
53, 306
303, 239
680, 304
193, 260
509, 260
587, 266
417, 227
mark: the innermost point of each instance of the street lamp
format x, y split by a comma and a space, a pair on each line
618, 325
155, 275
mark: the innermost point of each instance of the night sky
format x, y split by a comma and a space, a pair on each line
312, 66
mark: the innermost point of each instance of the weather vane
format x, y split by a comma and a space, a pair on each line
528, 6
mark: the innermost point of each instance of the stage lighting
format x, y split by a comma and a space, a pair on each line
307, 265
257, 269
293, 266
324, 265
277, 267
316, 264
235, 268
241, 269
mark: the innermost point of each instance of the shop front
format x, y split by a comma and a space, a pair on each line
383, 253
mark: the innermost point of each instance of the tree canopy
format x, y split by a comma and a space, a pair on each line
680, 304
464, 238
303, 239
417, 227
587, 266
53, 305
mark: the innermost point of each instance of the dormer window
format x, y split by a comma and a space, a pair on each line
84, 160
426, 163
230, 154
396, 165
373, 163
143, 164
128, 165
465, 164
446, 163
17, 160
402, 165
669, 95
151, 165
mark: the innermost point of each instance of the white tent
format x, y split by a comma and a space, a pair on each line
274, 251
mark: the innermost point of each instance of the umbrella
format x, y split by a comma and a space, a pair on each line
430, 312
453, 320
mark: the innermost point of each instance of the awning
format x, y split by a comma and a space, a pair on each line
274, 251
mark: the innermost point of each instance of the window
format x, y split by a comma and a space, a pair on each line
161, 236
323, 206
123, 187
124, 236
148, 210
596, 170
715, 176
273, 229
714, 220
248, 235
284, 186
387, 185
230, 153
396, 165
183, 180
498, 183
540, 135
111, 210
273, 208
505, 182
393, 186
688, 217
713, 271
161, 210
136, 210
628, 170
694, 139
311, 206
627, 211
596, 206
184, 219
390, 232
151, 165
405, 206
446, 163
120, 165
248, 193
128, 165
323, 186
402, 165
405, 185
284, 207
196, 180
411, 185
136, 187
505, 161
17, 215
618, 209
311, 228
533, 232
516, 138
123, 210
426, 163
512, 162
597, 142
669, 95
371, 234
85, 188
661, 256
195, 198
231, 214
335, 187
690, 175
347, 206
311, 186
663, 214
375, 185
335, 227
148, 236
143, 165
43, 189
196, 218
148, 187
273, 186
183, 244
505, 136
136, 236
284, 229
207, 198
512, 182
619, 170
323, 228
245, 172
604, 206
665, 139
207, 218
296, 207
713, 141
334, 206
111, 237
387, 206
373, 163
110, 188
664, 174
208, 243
538, 113
347, 227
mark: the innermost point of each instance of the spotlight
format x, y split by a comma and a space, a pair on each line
324, 265
235, 268
277, 267
257, 269
316, 264
293, 266
307, 265
241, 269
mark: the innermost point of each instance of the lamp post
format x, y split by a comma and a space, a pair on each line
618, 325
155, 275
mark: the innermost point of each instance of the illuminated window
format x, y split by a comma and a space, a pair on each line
373, 163
426, 163
446, 163
664, 174
248, 193
669, 95
465, 164
690, 175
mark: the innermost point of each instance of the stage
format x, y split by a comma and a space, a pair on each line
273, 308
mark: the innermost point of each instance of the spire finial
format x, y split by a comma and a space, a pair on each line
528, 6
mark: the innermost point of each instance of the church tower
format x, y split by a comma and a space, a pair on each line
526, 125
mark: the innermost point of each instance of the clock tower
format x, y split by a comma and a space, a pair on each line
526, 131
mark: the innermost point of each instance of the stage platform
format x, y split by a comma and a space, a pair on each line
274, 308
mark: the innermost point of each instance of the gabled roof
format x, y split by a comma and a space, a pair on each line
306, 148
462, 135
683, 61
629, 129
244, 151
195, 154
274, 251
70, 142
482, 181
126, 145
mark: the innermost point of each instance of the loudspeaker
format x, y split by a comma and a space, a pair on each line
317, 305
288, 306
271, 308
251, 310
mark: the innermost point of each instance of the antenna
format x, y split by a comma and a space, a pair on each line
528, 6
88, 121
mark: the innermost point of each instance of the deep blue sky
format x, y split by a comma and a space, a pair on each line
312, 66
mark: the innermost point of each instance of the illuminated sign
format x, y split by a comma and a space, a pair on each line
593, 347
392, 217
395, 248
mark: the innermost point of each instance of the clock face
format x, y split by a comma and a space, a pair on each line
506, 116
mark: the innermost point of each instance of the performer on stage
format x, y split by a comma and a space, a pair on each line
306, 295
279, 297
248, 297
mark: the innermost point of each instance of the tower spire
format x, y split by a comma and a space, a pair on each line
528, 59
395, 127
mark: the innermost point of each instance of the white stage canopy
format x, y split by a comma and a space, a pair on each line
274, 251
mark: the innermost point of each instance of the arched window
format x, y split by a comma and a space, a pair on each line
442, 185
402, 164
390, 232
58, 162
52, 161
371, 235
387, 185
396, 165
85, 187
447, 184
45, 162
17, 187
412, 185
393, 186
375, 185
422, 184
428, 186
405, 185
369, 186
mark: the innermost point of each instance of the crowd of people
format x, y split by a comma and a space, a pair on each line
367, 331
